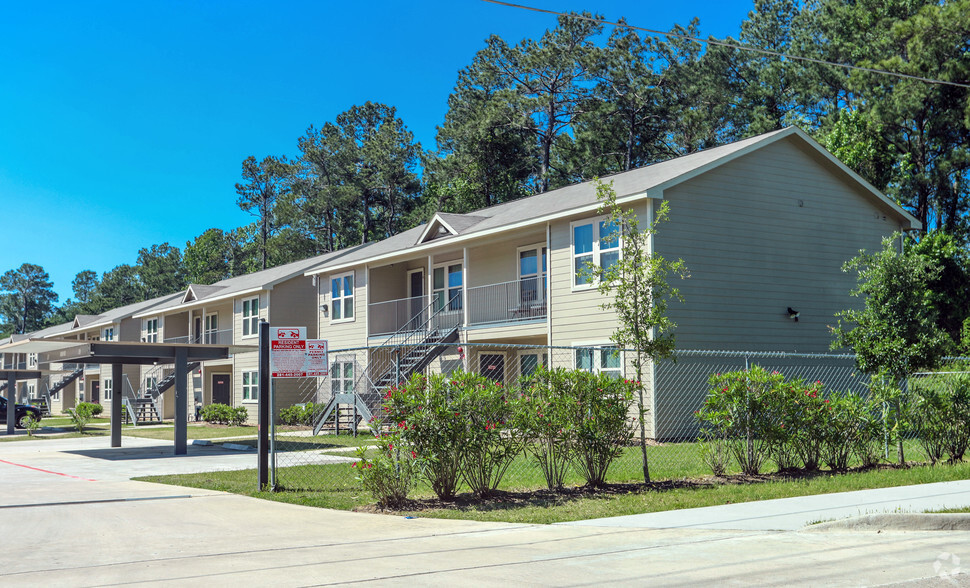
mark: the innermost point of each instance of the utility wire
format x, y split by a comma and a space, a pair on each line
730, 45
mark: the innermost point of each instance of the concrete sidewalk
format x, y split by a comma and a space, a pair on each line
67, 518
795, 513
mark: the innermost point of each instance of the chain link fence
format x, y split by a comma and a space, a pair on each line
318, 423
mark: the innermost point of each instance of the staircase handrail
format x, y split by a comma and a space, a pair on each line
128, 395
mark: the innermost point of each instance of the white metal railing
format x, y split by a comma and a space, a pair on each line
516, 301
385, 318
223, 337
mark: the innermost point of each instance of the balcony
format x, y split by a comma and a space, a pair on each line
223, 337
509, 302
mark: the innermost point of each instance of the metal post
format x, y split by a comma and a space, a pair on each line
181, 401
11, 403
117, 398
262, 444
272, 436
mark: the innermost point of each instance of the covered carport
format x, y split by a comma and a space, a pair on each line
119, 354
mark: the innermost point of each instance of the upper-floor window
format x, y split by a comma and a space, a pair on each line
342, 296
250, 313
108, 334
600, 360
151, 330
446, 285
595, 241
32, 360
532, 274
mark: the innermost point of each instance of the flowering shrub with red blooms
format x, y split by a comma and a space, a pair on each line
805, 414
426, 413
852, 427
604, 422
939, 411
742, 415
391, 474
491, 443
545, 416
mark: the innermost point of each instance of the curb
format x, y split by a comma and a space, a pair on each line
897, 522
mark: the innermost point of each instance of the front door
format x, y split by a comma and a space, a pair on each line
493, 366
95, 391
416, 293
221, 391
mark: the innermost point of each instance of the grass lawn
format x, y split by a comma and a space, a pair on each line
333, 486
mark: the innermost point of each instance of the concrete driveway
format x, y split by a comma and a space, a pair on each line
69, 517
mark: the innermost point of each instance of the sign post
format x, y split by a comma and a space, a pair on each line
262, 444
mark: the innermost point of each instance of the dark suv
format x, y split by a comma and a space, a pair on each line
23, 411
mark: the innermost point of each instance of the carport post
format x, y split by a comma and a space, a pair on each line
181, 401
117, 398
11, 403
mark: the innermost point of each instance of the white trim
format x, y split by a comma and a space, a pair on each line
242, 313
447, 299
597, 347
410, 292
538, 352
431, 224
178, 308
252, 386
342, 298
595, 253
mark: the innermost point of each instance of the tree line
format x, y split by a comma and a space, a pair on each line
580, 102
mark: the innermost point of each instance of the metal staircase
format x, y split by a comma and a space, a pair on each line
46, 398
142, 408
409, 350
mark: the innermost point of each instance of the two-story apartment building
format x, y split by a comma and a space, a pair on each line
763, 225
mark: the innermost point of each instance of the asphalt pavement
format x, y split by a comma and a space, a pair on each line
70, 516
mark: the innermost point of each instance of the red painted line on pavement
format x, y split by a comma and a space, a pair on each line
46, 471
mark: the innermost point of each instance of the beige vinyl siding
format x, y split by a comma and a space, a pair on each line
760, 234
495, 261
575, 315
346, 334
293, 302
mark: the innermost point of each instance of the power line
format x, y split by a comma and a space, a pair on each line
730, 45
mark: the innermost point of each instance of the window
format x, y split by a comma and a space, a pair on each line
446, 288
250, 386
32, 360
108, 334
529, 361
211, 332
151, 330
250, 313
532, 274
600, 360
595, 241
342, 377
342, 297
151, 382
108, 388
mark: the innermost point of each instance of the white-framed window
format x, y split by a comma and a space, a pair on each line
446, 287
342, 377
31, 390
250, 317
532, 274
595, 241
108, 388
108, 334
211, 329
151, 330
530, 360
32, 360
342, 297
604, 359
250, 386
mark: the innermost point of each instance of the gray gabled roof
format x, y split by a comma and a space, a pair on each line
650, 180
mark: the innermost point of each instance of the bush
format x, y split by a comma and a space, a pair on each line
804, 412
745, 412
223, 414
425, 412
852, 428
82, 414
602, 421
940, 413
491, 443
544, 418
391, 474
91, 409
300, 415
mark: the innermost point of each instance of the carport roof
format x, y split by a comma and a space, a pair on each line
19, 375
128, 353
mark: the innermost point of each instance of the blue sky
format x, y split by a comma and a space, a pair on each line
124, 124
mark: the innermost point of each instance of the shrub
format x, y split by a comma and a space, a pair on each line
491, 443
744, 410
804, 411
223, 414
91, 408
297, 415
544, 416
602, 421
391, 474
425, 411
82, 414
31, 424
940, 412
852, 427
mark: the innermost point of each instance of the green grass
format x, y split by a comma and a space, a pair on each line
333, 486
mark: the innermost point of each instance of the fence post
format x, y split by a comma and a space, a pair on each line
262, 443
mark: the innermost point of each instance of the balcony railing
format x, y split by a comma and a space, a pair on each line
508, 302
223, 337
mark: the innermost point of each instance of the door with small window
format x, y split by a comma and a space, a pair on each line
493, 366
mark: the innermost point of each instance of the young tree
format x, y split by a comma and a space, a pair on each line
26, 300
896, 333
638, 289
